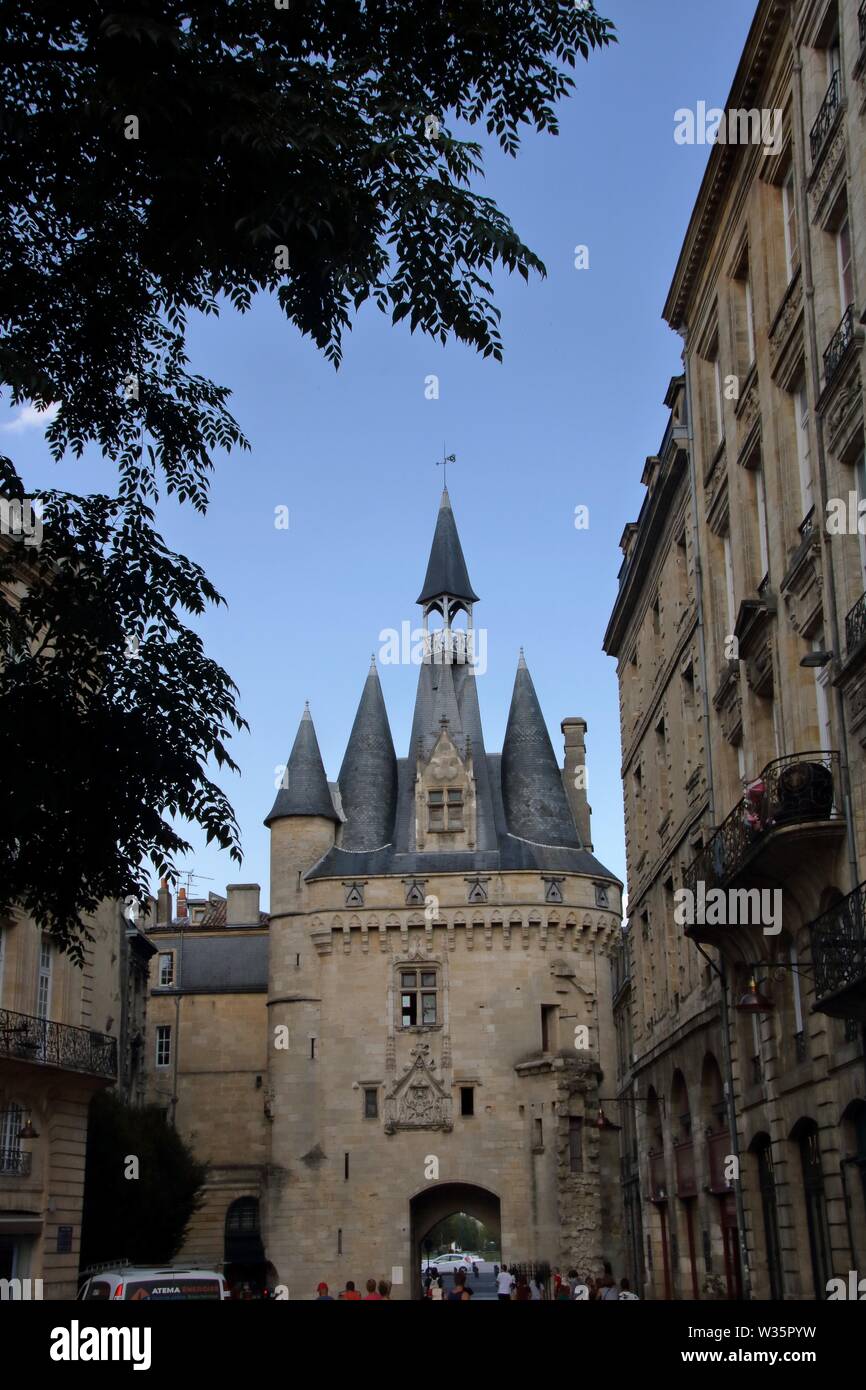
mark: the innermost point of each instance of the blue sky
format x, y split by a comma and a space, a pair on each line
566, 421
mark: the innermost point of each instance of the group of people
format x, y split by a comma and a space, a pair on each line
378, 1293
605, 1289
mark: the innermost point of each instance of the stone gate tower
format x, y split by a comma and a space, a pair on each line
439, 987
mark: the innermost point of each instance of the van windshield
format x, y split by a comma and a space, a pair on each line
166, 1288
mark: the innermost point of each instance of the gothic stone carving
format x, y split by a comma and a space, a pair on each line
418, 1100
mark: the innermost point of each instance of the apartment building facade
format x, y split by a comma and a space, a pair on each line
66, 1032
740, 635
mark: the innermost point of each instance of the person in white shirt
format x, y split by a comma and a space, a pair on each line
504, 1283
627, 1295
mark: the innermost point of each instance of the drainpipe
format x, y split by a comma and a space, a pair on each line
812, 330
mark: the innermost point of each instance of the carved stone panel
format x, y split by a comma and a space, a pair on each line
418, 1100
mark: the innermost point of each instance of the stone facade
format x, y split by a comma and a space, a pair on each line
437, 1033
741, 1044
65, 1032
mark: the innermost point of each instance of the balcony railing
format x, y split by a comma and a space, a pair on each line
14, 1163
826, 115
839, 955
801, 788
861, 23
718, 1153
838, 345
684, 1159
24, 1038
855, 620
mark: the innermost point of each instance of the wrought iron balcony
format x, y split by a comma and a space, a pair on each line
855, 619
15, 1163
839, 956
801, 790
861, 24
826, 116
838, 345
24, 1038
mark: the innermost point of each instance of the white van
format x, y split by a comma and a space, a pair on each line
134, 1283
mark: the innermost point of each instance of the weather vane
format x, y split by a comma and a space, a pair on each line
443, 464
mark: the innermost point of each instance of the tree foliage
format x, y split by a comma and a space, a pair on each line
142, 1219
159, 160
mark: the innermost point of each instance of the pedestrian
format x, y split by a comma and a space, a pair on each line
563, 1293
474, 1270
535, 1290
573, 1281
437, 1290
460, 1293
607, 1289
557, 1281
350, 1293
523, 1293
504, 1283
372, 1292
496, 1271
626, 1295
322, 1295
385, 1290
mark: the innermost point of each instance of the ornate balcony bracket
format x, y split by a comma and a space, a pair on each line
803, 586
786, 335
753, 633
728, 702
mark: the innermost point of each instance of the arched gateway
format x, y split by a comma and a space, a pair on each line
438, 1201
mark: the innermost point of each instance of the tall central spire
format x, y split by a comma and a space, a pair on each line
447, 576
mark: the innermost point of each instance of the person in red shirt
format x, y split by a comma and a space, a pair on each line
350, 1293
372, 1291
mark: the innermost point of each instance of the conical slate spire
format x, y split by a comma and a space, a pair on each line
534, 799
368, 777
306, 792
446, 568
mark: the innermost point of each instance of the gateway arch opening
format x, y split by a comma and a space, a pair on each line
430, 1209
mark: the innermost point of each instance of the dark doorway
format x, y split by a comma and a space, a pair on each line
429, 1208
244, 1259
763, 1151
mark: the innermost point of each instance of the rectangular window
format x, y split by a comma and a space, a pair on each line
548, 1027
789, 215
345, 1167
418, 998
717, 391
763, 541
537, 1134
575, 1144
846, 267
729, 584
750, 320
313, 1042
804, 458
436, 811
163, 1045
43, 985
860, 475
371, 1103
166, 968
467, 1100
455, 809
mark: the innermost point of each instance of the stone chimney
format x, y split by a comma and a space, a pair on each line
242, 904
182, 909
164, 916
574, 777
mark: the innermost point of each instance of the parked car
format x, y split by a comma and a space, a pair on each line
132, 1284
447, 1264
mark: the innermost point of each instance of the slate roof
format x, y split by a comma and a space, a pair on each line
446, 568
306, 792
523, 816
